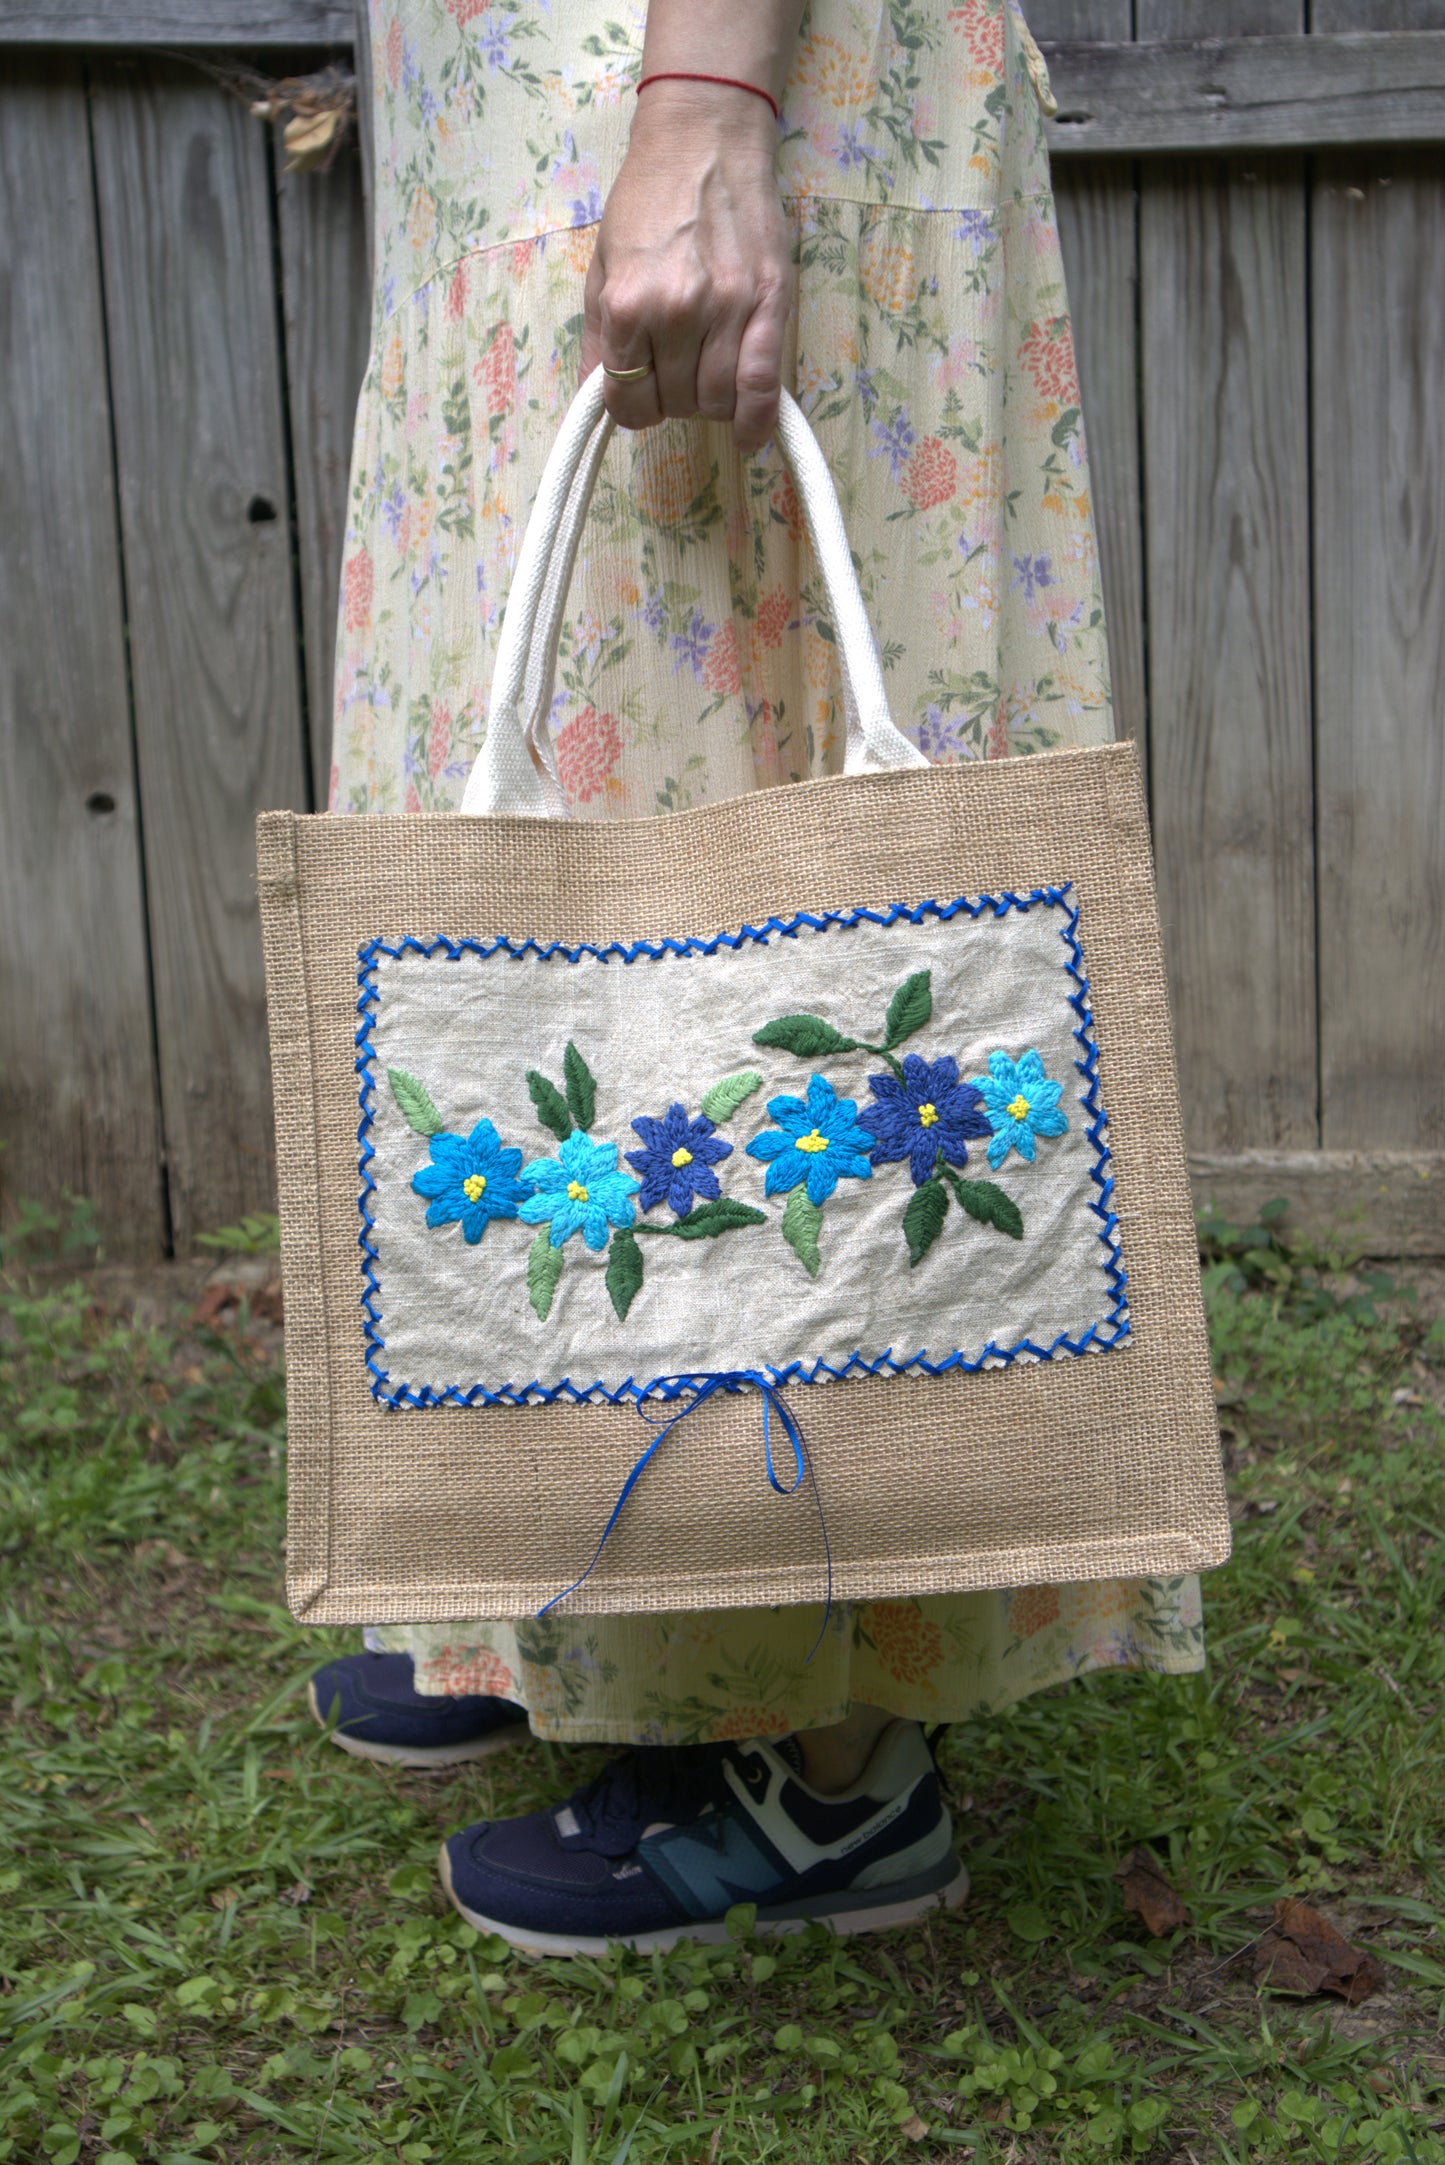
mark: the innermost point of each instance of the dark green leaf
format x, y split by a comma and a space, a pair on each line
807, 1037
581, 1089
551, 1105
923, 1219
624, 1273
982, 1200
910, 1008
544, 1268
710, 1219
802, 1222
724, 1098
414, 1102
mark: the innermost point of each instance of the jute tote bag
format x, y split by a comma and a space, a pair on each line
820, 1148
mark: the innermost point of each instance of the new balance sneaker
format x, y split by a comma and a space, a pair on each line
380, 1714
662, 1844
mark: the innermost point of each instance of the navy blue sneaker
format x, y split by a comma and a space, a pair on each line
662, 1844
380, 1714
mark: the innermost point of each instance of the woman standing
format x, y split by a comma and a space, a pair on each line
709, 200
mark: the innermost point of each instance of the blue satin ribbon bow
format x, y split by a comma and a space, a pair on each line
731, 1379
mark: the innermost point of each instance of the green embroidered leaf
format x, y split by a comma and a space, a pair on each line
414, 1102
802, 1222
724, 1098
807, 1037
581, 1089
909, 1009
624, 1273
550, 1103
923, 1219
726, 1215
982, 1200
544, 1268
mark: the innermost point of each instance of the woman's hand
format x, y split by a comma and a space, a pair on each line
692, 270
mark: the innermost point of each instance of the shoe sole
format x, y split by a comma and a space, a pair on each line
417, 1755
711, 1932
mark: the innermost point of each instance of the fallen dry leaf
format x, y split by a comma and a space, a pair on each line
1149, 1895
915, 2129
1302, 1952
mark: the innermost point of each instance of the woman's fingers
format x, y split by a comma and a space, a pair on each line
759, 370
619, 340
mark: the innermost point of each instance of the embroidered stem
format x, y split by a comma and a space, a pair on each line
726, 1215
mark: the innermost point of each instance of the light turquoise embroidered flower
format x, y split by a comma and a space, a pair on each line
1021, 1104
580, 1190
817, 1142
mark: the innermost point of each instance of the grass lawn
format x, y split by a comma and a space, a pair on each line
220, 1939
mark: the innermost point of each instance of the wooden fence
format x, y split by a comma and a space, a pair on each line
1254, 228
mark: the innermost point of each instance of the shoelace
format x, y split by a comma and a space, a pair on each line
656, 1782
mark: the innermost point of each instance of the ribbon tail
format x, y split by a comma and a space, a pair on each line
627, 1487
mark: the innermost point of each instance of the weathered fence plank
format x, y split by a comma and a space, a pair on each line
78, 1099
1377, 15
183, 188
324, 284
255, 24
1378, 290
1371, 1202
1221, 94
1227, 567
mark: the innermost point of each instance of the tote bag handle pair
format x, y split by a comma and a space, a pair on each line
516, 769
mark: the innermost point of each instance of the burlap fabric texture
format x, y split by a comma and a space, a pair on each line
1101, 1464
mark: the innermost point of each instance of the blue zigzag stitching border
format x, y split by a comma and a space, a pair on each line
1113, 1330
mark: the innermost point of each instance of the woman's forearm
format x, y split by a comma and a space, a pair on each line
752, 40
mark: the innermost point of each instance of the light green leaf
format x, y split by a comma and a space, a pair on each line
581, 1089
724, 1098
414, 1102
544, 1268
624, 1273
982, 1200
923, 1219
807, 1037
550, 1103
909, 1009
802, 1222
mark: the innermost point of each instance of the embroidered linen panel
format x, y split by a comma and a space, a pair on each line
863, 1141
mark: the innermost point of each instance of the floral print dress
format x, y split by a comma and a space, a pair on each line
931, 350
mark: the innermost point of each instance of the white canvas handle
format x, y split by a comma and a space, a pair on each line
516, 769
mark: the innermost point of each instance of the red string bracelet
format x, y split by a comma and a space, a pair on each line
728, 82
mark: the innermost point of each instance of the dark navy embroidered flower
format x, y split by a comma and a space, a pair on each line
928, 1111
817, 1141
580, 1190
1022, 1103
676, 1166
471, 1180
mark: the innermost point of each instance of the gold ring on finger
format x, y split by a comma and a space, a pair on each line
627, 375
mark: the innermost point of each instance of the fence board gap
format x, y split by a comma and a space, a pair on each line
79, 1108
183, 181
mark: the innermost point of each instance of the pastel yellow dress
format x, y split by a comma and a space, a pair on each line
931, 349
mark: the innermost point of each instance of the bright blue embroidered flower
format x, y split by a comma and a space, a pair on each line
1022, 1103
817, 1141
928, 1111
676, 1166
580, 1190
471, 1181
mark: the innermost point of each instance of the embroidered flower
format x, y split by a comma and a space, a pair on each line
676, 1166
1022, 1103
817, 1141
580, 1190
471, 1181
928, 1111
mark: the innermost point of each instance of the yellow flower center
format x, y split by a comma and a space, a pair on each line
1018, 1110
927, 1114
576, 1193
812, 1143
474, 1187
681, 1157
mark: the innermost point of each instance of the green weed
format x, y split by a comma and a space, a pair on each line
222, 1940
